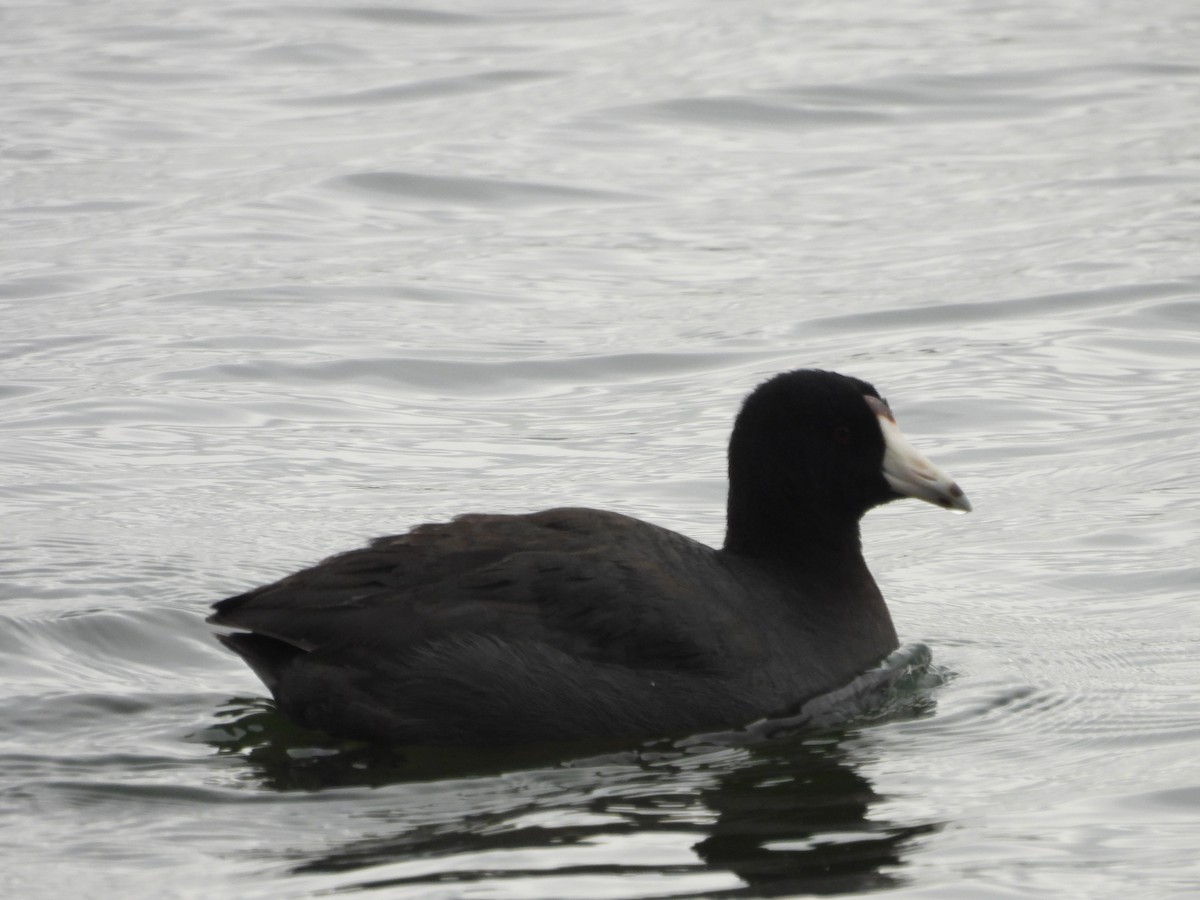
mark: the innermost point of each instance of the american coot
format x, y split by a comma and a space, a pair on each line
579, 623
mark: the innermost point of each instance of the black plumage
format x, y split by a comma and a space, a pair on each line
578, 623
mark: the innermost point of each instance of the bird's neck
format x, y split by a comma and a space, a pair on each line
790, 531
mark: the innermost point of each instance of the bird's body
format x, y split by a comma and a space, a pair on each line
576, 623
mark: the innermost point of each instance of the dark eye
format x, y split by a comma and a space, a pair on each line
841, 434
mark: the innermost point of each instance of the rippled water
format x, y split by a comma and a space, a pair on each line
276, 279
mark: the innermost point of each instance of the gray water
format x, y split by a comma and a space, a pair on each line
277, 279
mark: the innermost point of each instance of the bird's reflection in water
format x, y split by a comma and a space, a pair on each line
785, 814
797, 822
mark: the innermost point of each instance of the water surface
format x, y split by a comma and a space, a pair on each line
274, 280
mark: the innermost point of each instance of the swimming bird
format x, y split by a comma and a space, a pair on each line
574, 623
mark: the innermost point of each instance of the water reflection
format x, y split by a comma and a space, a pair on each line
797, 821
773, 815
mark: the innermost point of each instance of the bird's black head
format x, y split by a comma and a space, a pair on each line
811, 452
